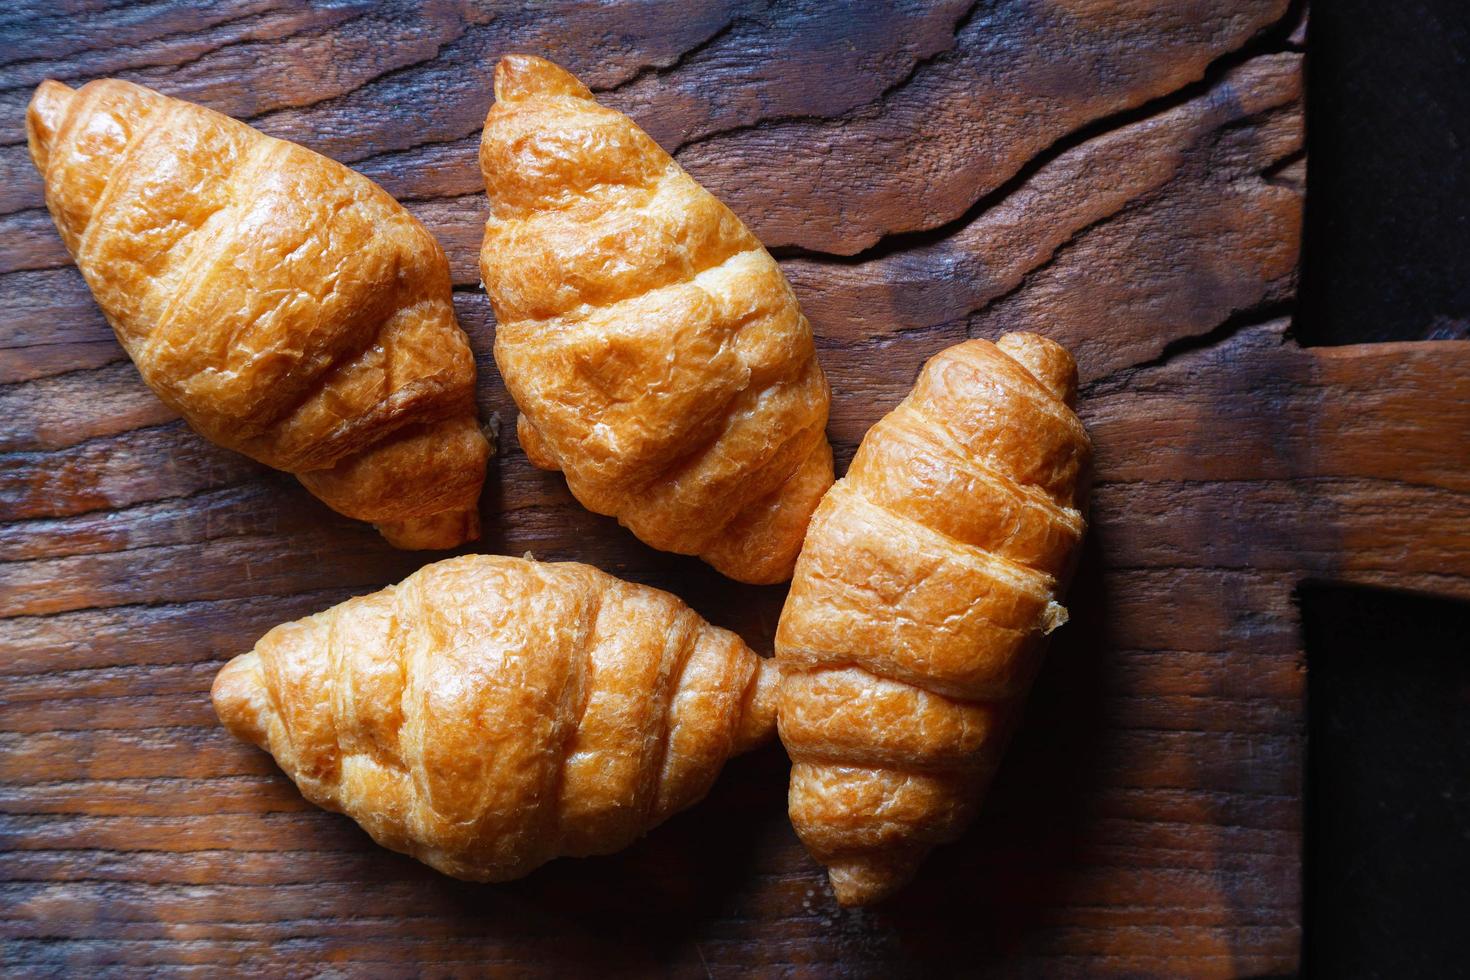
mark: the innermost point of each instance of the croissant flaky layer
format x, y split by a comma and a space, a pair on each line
914, 625
488, 714
656, 352
286, 306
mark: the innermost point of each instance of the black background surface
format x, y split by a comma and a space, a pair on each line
1387, 257
1388, 785
1388, 172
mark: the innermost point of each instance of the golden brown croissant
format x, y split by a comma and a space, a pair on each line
287, 307
488, 714
914, 625
656, 352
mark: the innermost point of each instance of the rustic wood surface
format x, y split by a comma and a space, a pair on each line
1125, 176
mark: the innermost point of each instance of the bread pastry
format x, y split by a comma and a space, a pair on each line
656, 352
915, 620
488, 714
286, 306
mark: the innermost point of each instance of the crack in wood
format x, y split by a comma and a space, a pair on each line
1222, 332
895, 243
657, 69
111, 47
888, 91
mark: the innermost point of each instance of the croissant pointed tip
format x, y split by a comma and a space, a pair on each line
520, 76
758, 719
236, 694
1048, 361
759, 547
867, 879
434, 532
44, 117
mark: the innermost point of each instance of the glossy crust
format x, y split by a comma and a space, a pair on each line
654, 348
488, 714
286, 306
915, 622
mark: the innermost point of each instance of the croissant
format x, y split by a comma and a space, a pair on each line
657, 354
286, 307
915, 620
488, 714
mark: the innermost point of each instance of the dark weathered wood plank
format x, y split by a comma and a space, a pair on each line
1125, 177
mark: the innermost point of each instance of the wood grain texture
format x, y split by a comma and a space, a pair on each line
1125, 177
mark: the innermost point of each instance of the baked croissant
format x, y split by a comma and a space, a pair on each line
915, 620
488, 714
656, 352
287, 307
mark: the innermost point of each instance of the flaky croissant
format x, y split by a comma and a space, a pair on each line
287, 307
915, 620
488, 714
656, 352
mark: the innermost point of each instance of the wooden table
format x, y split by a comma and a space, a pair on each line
1124, 176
